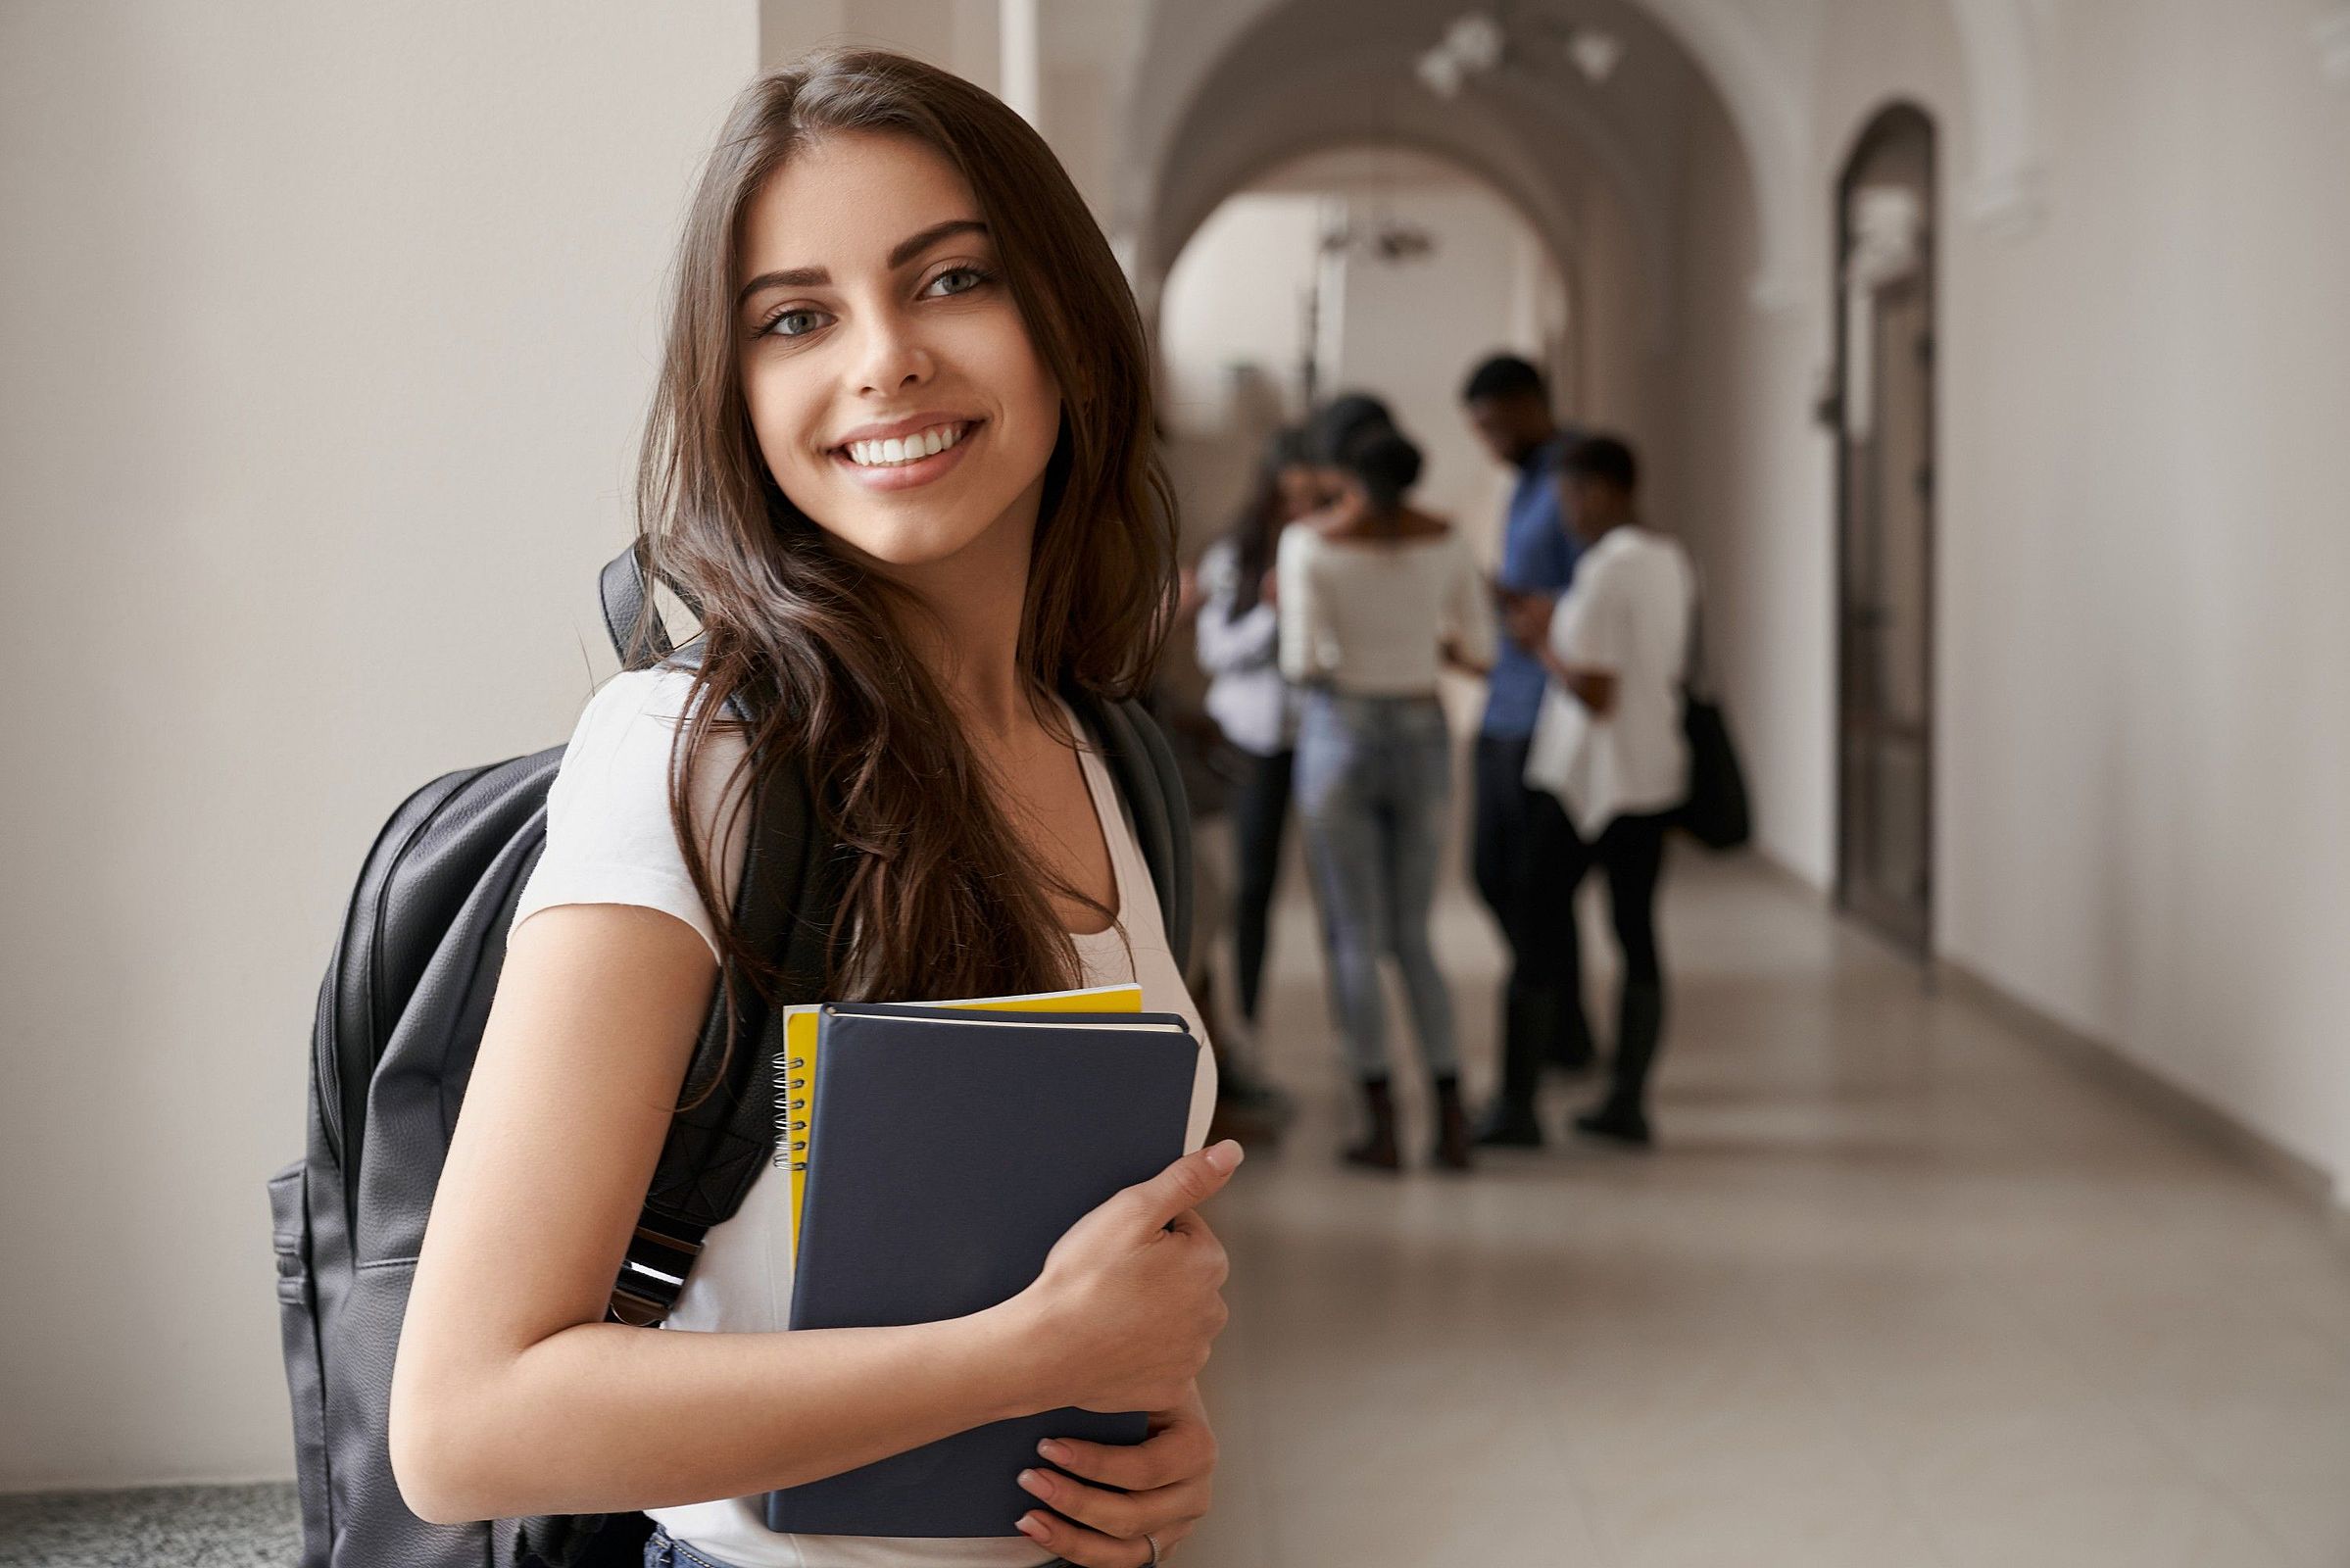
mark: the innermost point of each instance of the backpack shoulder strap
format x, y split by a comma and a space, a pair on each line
1142, 767
715, 1146
621, 588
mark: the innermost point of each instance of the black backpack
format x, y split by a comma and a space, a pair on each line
400, 1016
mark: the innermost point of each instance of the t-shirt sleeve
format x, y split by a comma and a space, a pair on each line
609, 836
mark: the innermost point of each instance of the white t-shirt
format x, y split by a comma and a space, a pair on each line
1369, 615
610, 840
1628, 613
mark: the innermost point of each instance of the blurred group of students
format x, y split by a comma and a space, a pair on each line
1324, 618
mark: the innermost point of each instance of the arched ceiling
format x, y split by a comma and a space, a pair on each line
1340, 103
1292, 84
1212, 64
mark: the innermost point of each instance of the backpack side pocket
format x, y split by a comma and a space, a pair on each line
298, 1324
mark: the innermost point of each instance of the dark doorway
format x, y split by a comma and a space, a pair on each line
1885, 291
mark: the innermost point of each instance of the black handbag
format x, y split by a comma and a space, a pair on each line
1716, 812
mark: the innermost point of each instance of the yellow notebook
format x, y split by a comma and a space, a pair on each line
792, 1131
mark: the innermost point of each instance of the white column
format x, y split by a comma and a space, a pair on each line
1021, 75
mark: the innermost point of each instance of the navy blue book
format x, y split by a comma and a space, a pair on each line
948, 1150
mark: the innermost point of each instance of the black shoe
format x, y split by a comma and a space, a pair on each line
1623, 1124
1509, 1127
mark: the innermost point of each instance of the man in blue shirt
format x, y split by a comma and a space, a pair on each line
1509, 406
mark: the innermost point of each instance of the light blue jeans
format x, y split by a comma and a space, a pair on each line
1374, 774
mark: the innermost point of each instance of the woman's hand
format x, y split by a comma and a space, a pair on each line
1129, 1301
1167, 1480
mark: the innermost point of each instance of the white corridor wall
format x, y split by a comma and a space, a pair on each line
2143, 755
328, 332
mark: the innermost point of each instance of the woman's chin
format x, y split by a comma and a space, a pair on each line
908, 544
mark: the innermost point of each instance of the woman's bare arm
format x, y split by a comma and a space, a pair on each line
513, 1396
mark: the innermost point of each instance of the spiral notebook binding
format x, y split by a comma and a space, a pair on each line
791, 1105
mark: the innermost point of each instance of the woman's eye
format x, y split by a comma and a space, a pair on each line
957, 280
795, 323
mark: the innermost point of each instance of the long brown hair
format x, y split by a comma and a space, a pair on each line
939, 899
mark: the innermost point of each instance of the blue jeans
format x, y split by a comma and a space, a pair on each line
661, 1552
1373, 777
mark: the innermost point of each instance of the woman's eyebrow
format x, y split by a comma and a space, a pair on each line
904, 251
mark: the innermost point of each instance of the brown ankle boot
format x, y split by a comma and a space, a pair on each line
1377, 1149
1452, 1135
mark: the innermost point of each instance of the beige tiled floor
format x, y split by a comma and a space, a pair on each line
1898, 1289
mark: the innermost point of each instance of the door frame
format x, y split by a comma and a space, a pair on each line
1900, 118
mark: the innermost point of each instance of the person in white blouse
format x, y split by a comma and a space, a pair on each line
1609, 754
1375, 594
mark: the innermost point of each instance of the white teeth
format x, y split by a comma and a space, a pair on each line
906, 449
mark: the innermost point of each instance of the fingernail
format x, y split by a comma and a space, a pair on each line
1054, 1450
1223, 1156
1029, 1525
1035, 1481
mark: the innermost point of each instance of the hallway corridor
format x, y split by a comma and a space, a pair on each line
1898, 1287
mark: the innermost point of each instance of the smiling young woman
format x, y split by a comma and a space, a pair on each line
901, 460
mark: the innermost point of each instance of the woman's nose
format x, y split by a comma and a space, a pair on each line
891, 357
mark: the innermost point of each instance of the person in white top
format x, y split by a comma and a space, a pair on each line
1237, 637
1608, 751
901, 461
1375, 594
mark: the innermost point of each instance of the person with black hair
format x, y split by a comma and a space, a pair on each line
1330, 429
1509, 406
1608, 755
1375, 594
1256, 707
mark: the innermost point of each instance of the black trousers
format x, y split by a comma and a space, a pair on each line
1519, 872
1630, 851
1259, 812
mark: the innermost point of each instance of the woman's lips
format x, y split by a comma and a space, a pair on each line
910, 475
